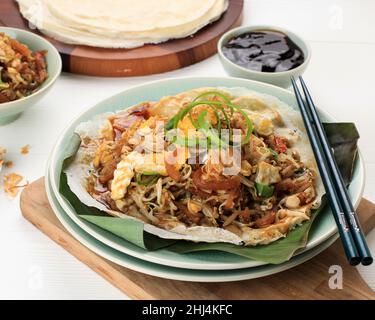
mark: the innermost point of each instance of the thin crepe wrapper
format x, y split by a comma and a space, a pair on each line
343, 138
254, 102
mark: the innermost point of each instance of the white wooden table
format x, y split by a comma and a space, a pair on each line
341, 78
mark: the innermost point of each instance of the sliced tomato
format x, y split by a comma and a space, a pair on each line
225, 184
268, 218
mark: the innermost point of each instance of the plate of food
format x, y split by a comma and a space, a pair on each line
168, 272
131, 172
126, 37
29, 66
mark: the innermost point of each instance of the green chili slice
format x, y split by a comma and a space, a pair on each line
264, 190
146, 179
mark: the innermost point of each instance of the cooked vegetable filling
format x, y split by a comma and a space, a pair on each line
22, 71
249, 179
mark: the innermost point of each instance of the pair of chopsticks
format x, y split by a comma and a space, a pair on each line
352, 238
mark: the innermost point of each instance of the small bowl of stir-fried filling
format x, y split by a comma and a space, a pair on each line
29, 65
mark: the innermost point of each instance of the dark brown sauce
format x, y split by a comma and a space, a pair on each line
264, 51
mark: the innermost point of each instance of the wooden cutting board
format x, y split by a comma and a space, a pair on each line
306, 281
145, 60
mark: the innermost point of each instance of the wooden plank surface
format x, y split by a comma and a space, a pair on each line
149, 59
307, 281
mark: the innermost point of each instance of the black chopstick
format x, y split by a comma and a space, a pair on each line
345, 200
333, 199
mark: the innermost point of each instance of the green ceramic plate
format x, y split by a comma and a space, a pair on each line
324, 227
10, 111
181, 274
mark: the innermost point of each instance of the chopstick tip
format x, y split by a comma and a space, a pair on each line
367, 261
354, 261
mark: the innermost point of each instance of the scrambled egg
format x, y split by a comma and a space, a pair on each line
185, 125
264, 117
149, 164
267, 174
262, 125
135, 162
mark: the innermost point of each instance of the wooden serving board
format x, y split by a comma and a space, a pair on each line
306, 281
145, 60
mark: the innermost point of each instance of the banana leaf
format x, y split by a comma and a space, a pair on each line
343, 138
